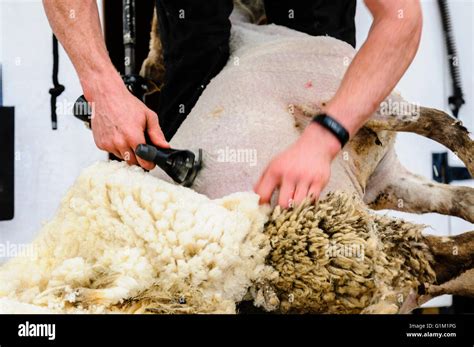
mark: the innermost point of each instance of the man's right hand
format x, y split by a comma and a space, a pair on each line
120, 121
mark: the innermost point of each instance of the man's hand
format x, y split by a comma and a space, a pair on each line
120, 121
393, 40
302, 170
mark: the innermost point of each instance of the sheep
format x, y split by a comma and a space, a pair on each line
286, 75
126, 241
278, 72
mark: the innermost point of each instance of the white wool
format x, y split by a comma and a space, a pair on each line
120, 223
8, 306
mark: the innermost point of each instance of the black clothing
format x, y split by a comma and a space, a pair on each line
195, 38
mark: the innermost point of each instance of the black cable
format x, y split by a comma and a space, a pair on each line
58, 88
456, 100
129, 35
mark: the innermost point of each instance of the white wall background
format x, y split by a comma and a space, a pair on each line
48, 161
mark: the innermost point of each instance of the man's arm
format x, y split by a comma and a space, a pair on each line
380, 63
120, 120
304, 168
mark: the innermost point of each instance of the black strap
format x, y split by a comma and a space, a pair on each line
334, 127
58, 88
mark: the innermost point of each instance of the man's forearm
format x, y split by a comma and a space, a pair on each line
380, 63
120, 120
76, 24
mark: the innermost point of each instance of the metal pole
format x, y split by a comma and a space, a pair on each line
129, 35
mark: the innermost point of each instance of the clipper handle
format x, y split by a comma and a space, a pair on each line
181, 165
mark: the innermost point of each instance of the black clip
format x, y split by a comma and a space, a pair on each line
444, 173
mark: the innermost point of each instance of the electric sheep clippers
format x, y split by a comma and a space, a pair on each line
181, 165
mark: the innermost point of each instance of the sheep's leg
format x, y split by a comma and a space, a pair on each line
433, 124
453, 262
462, 285
452, 256
393, 187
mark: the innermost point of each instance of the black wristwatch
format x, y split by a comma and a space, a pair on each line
333, 126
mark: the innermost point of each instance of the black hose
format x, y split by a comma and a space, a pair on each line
456, 100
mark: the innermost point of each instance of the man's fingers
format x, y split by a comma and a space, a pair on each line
145, 164
109, 148
140, 139
287, 191
132, 157
128, 155
301, 192
266, 186
154, 131
116, 153
314, 191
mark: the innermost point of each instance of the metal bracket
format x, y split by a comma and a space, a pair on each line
444, 173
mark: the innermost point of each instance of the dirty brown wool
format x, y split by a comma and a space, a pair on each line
388, 260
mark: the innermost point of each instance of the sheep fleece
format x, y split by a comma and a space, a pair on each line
125, 241
123, 231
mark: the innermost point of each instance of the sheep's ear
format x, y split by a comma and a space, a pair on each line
153, 66
151, 87
254, 9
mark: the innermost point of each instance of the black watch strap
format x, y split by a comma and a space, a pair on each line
333, 126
